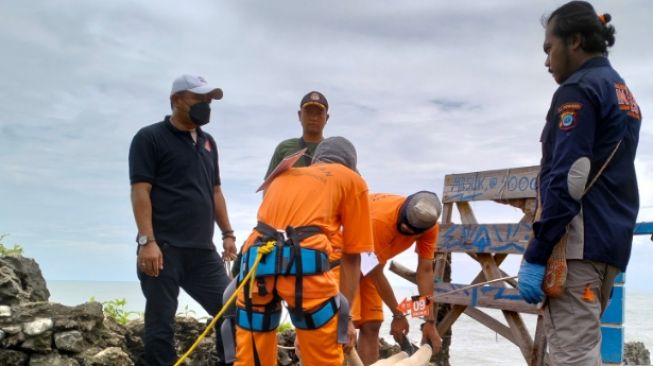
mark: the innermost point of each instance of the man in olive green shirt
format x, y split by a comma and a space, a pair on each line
313, 115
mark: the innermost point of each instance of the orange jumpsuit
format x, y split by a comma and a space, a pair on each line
332, 197
388, 242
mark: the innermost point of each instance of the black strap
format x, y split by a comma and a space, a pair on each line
299, 273
306, 157
250, 310
334, 263
260, 284
270, 233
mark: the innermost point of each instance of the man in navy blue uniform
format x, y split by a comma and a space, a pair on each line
176, 198
591, 131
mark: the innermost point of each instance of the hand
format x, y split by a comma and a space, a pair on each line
530, 282
230, 251
150, 259
430, 333
399, 328
351, 332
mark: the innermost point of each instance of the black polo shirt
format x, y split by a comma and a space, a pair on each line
183, 175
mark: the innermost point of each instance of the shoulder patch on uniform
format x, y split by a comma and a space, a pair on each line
568, 115
207, 145
626, 101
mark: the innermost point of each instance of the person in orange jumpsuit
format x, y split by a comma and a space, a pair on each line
398, 222
304, 209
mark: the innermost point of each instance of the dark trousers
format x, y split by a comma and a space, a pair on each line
201, 273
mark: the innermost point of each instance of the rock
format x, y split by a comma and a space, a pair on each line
37, 326
71, 341
85, 317
12, 329
12, 357
13, 336
134, 340
635, 353
11, 291
52, 359
5, 311
41, 343
112, 356
21, 280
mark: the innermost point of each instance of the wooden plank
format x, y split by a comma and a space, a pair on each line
403, 272
446, 213
490, 322
491, 185
439, 269
484, 238
457, 310
538, 354
519, 331
490, 296
489, 266
445, 324
466, 213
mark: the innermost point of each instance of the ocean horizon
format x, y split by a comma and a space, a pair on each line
472, 343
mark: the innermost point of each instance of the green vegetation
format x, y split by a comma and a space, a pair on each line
284, 327
16, 250
187, 311
115, 309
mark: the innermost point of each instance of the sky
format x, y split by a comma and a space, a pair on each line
422, 88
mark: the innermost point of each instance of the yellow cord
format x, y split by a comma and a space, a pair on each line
263, 250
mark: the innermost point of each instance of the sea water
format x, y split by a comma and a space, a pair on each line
472, 343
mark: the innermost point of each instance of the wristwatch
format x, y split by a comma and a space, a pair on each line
144, 239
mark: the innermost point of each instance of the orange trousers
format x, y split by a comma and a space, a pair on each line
319, 347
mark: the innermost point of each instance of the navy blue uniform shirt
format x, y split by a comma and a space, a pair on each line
590, 113
183, 175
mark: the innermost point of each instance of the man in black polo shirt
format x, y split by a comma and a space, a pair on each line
176, 197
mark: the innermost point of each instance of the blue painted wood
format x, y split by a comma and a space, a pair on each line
612, 344
484, 238
491, 185
495, 296
643, 228
621, 278
614, 313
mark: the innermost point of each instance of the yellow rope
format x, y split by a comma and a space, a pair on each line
263, 250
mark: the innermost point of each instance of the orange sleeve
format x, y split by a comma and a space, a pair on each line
425, 247
356, 220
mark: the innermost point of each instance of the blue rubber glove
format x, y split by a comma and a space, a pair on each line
530, 282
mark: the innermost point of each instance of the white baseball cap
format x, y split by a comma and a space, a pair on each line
195, 84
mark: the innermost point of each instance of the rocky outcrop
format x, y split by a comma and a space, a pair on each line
21, 281
42, 333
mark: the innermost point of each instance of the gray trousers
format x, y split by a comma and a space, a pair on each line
573, 321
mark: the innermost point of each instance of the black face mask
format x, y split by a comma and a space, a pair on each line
200, 113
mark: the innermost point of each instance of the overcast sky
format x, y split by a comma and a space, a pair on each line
422, 88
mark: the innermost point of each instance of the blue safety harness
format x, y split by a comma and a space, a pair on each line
288, 258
